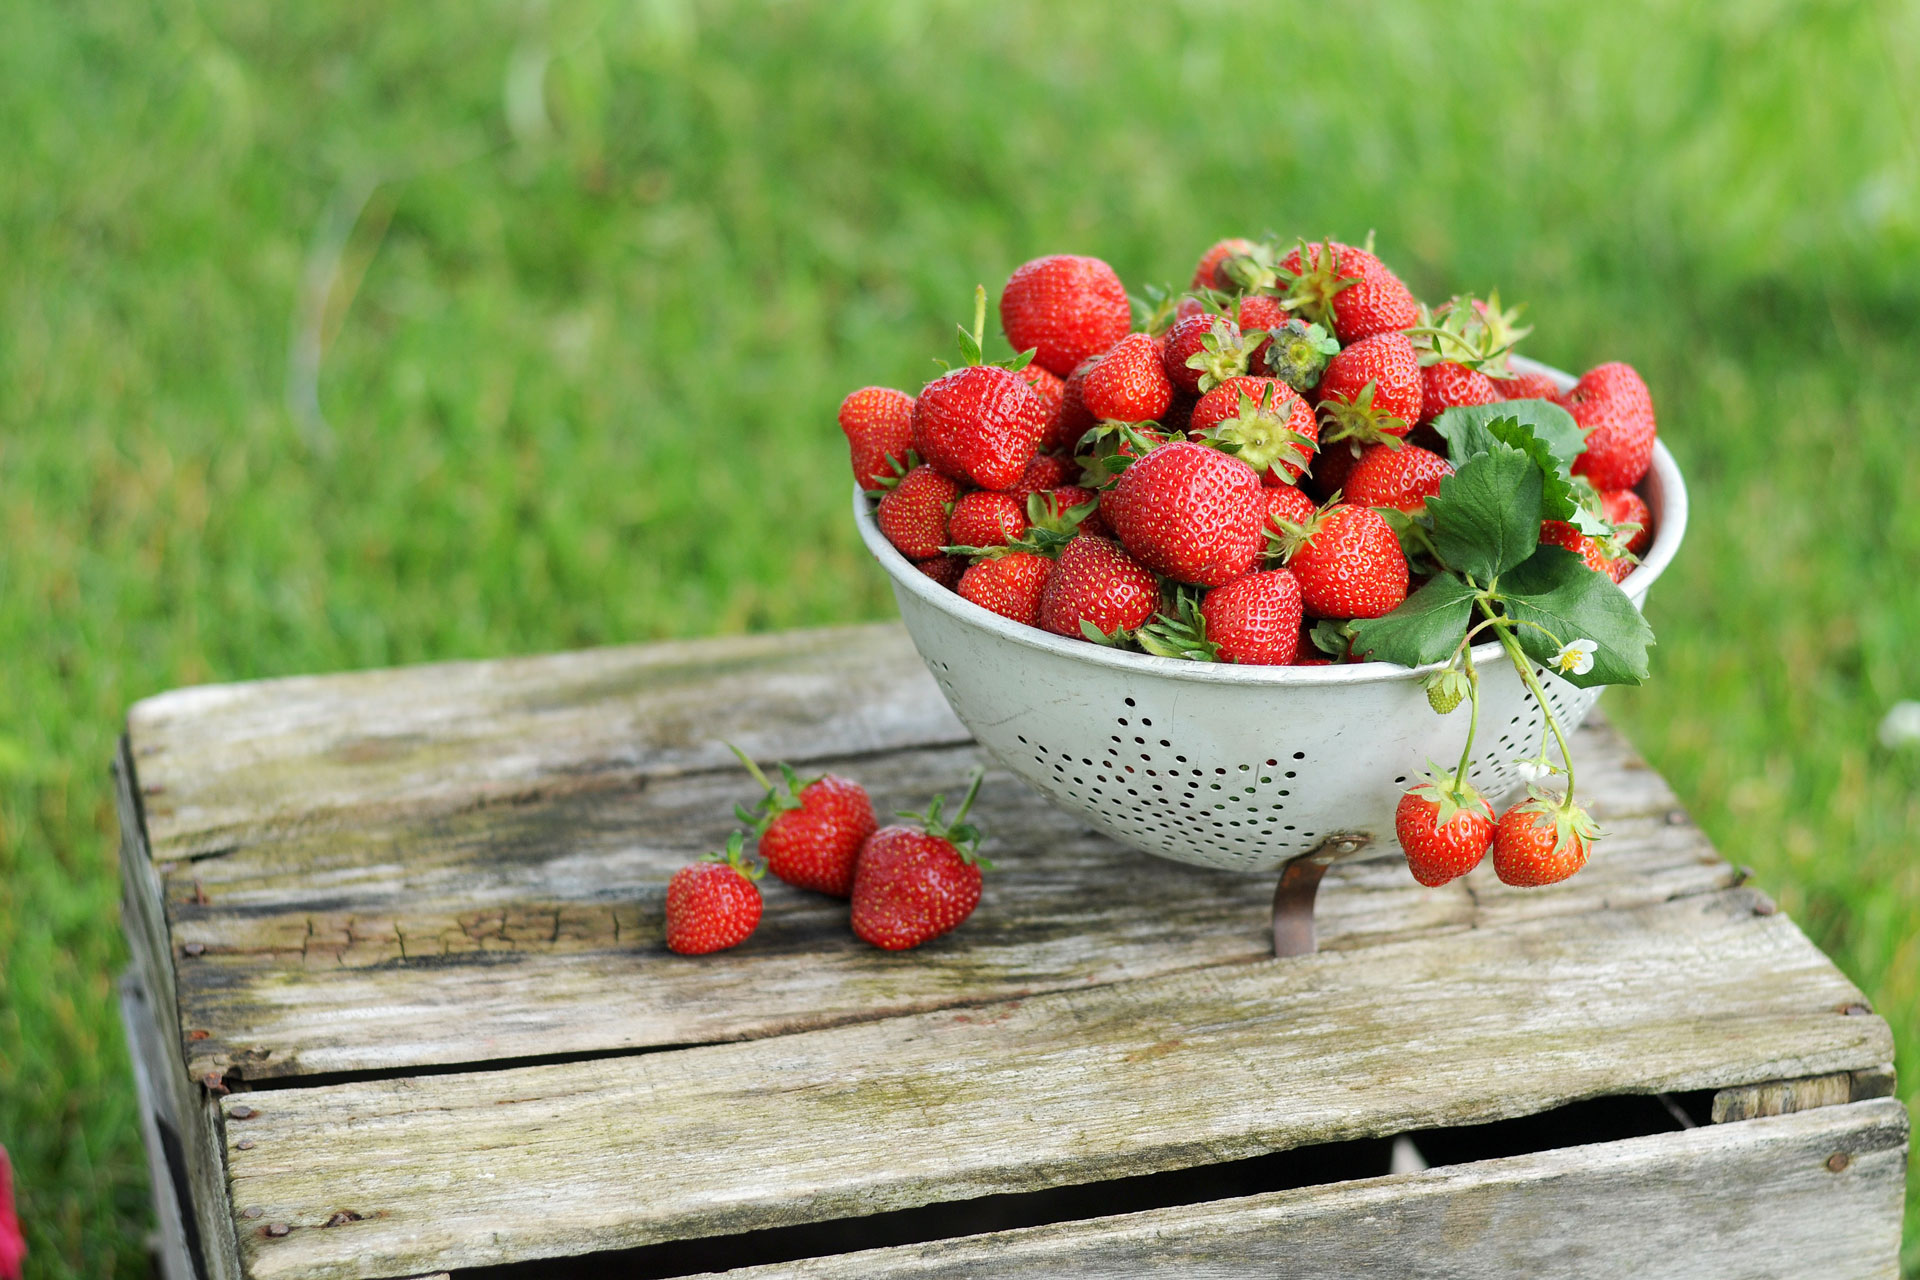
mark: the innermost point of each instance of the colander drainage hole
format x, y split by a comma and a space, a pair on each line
1130, 702
1402, 778
1299, 755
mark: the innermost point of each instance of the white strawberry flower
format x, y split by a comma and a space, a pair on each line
1533, 770
1576, 658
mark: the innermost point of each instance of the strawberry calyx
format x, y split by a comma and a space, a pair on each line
1181, 633
1570, 820
1253, 270
1466, 331
1049, 529
1222, 355
1310, 291
1332, 637
773, 804
956, 831
1155, 308
881, 483
1287, 538
1358, 420
973, 343
1298, 353
735, 856
1110, 447
1258, 435
1450, 793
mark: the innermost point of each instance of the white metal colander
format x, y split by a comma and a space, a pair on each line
1245, 768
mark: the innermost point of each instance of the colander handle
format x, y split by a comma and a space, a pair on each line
1293, 897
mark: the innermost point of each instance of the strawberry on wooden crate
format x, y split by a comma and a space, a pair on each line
919, 880
714, 904
809, 834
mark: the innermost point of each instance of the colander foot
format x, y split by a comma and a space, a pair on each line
1293, 897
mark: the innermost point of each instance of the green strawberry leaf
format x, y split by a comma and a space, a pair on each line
1428, 625
1558, 501
1555, 590
1467, 428
1486, 517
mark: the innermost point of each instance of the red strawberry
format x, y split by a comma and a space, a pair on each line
1625, 507
878, 422
1402, 478
1065, 308
1445, 385
713, 904
1009, 585
1348, 561
1127, 383
1178, 415
918, 882
1207, 274
1333, 464
1052, 390
1074, 420
1612, 406
1444, 828
811, 835
1096, 584
1347, 290
13, 1242
945, 570
1376, 303
1284, 502
1255, 620
985, 518
1540, 841
1189, 512
1046, 471
1262, 422
1202, 351
980, 424
913, 514
1261, 313
1527, 386
1371, 390
1558, 533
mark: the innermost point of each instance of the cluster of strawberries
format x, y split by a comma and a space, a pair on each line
909, 883
1150, 487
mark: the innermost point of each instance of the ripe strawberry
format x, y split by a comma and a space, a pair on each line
1371, 390
1445, 385
1612, 406
1046, 471
1284, 502
1204, 350
811, 834
1207, 274
713, 904
913, 514
1127, 383
945, 570
1540, 841
878, 422
1261, 313
1347, 290
1096, 585
1074, 419
1189, 512
918, 882
1402, 478
13, 1242
1009, 585
1065, 308
980, 424
1333, 465
1625, 507
1558, 533
985, 518
1052, 390
1255, 620
1260, 421
1527, 386
1348, 561
1445, 827
1376, 303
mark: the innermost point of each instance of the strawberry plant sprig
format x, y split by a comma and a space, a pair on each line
1494, 578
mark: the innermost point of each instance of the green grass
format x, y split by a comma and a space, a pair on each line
585, 337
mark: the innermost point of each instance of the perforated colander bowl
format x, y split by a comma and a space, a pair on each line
1243, 768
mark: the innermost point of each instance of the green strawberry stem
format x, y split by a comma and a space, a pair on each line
1473, 724
1524, 666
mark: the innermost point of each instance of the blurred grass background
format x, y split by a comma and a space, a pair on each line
334, 338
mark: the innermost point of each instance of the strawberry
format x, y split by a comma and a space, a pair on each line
1446, 384
980, 423
1189, 512
1542, 841
1371, 390
1348, 561
1375, 303
1255, 620
1624, 507
713, 904
1052, 390
1074, 419
878, 422
1261, 422
945, 570
1009, 585
985, 518
1047, 471
1444, 826
1558, 533
811, 835
1333, 464
1096, 586
1613, 408
1262, 313
1297, 354
1065, 308
1127, 383
918, 882
1347, 290
13, 1242
1109, 448
1204, 350
1402, 478
913, 514
1527, 386
1284, 502
1207, 274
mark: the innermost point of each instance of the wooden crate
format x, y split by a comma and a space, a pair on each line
400, 1006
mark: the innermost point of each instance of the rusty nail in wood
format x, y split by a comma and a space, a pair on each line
342, 1218
195, 948
1764, 907
214, 1081
198, 1034
200, 898
1838, 1162
252, 1211
1856, 1010
242, 1112
278, 1229
1676, 817
245, 1144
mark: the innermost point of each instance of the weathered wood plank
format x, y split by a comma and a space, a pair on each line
227, 765
172, 1209
1783, 1097
1191, 1068
530, 929
1756, 1200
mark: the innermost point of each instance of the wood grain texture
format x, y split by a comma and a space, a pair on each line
1754, 1200
1196, 1067
224, 766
